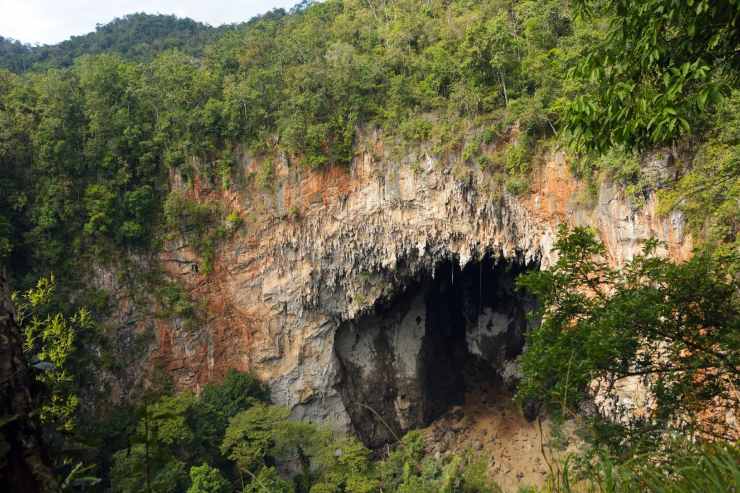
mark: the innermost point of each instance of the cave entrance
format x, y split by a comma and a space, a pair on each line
415, 356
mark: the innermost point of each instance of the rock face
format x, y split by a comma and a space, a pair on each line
336, 290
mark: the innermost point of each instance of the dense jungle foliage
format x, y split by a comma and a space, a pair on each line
86, 151
675, 327
91, 131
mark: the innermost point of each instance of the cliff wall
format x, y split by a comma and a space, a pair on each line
321, 251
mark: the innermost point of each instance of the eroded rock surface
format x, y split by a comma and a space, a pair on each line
321, 251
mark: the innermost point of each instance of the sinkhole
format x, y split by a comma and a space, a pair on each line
417, 354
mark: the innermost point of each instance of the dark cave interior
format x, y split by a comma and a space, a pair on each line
416, 355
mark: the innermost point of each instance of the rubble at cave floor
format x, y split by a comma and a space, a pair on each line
490, 426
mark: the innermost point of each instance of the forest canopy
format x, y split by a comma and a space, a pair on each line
92, 130
86, 148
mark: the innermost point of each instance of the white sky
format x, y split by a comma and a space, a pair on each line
52, 21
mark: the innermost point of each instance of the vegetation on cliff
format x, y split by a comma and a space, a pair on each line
86, 150
656, 73
674, 328
91, 132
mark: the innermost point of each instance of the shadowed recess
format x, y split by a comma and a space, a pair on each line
415, 355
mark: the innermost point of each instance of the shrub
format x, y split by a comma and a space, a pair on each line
265, 174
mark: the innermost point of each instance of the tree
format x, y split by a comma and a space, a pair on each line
218, 403
676, 327
266, 480
23, 463
237, 392
492, 52
168, 422
129, 472
99, 202
159, 449
178, 431
50, 341
250, 438
345, 465
658, 72
205, 479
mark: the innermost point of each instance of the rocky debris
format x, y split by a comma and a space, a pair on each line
500, 436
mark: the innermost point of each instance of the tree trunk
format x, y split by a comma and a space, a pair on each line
503, 85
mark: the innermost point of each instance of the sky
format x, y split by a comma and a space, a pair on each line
52, 21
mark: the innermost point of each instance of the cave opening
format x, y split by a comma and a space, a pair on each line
450, 332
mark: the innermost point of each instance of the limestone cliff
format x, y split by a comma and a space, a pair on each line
299, 294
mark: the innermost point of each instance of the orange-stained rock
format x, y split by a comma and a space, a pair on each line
322, 246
